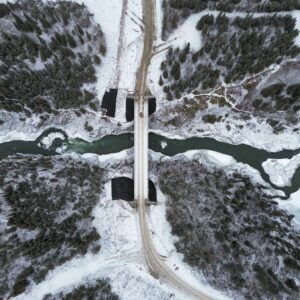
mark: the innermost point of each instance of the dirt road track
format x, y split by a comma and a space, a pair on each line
155, 262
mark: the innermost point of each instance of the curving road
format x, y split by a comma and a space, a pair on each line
155, 262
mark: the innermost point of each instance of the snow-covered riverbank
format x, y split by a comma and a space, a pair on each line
90, 126
281, 171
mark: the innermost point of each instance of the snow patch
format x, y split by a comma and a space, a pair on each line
296, 15
219, 158
15, 135
116, 224
163, 144
293, 206
254, 133
281, 171
106, 157
120, 258
187, 33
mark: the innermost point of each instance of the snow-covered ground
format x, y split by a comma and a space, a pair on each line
133, 40
108, 14
159, 56
219, 158
15, 129
253, 133
120, 256
164, 241
122, 27
293, 206
187, 33
281, 171
131, 43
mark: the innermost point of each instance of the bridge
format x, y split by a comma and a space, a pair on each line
156, 263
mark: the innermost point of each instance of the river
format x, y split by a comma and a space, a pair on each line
116, 143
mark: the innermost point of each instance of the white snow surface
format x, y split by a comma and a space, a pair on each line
281, 171
131, 43
163, 144
161, 230
74, 126
118, 68
120, 257
293, 206
187, 33
296, 15
106, 13
219, 158
212, 157
17, 135
116, 222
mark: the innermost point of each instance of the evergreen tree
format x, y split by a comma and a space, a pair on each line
175, 71
161, 82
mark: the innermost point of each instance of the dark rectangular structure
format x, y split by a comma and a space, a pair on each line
129, 109
109, 102
122, 188
152, 106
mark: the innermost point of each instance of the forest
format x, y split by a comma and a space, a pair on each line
220, 218
100, 289
48, 53
176, 11
232, 49
279, 97
46, 206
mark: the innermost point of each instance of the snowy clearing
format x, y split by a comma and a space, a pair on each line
219, 158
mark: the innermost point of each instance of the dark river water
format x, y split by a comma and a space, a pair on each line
116, 143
